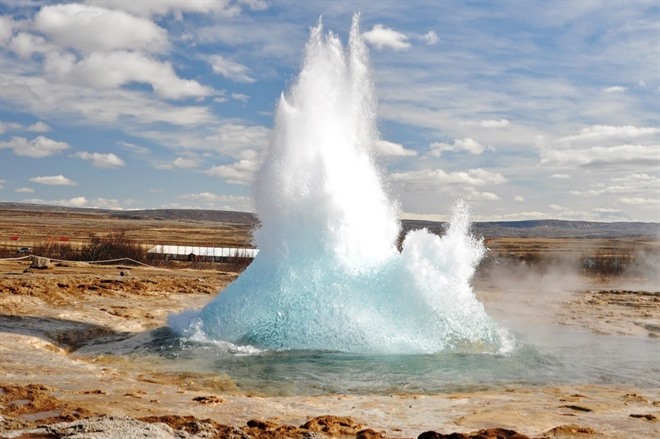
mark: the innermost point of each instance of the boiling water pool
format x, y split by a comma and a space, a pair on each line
562, 356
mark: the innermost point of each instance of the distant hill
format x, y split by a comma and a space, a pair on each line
529, 228
567, 229
225, 216
550, 228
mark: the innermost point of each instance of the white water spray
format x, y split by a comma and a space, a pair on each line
328, 275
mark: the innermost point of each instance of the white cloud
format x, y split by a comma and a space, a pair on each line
436, 149
111, 49
638, 155
599, 190
205, 196
636, 184
38, 147
492, 123
24, 190
54, 180
386, 148
639, 201
606, 211
560, 176
605, 145
97, 203
638, 180
105, 106
240, 172
519, 199
9, 126
433, 179
240, 97
39, 127
221, 97
381, 37
118, 68
179, 163
186, 163
216, 201
58, 65
488, 196
25, 45
605, 132
147, 8
472, 194
135, 149
211, 197
74, 202
7, 28
237, 140
101, 160
255, 5
488, 123
431, 37
615, 89
229, 139
90, 28
230, 69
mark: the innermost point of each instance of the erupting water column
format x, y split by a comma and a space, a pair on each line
328, 275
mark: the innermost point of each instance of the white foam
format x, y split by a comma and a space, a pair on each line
328, 275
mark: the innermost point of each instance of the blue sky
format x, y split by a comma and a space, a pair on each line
524, 109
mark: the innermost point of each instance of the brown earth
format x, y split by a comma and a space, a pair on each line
49, 317
54, 324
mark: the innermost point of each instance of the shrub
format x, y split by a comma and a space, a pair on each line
57, 250
113, 246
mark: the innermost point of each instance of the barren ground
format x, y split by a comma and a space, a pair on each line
50, 318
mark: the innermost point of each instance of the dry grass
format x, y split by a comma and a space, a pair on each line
37, 228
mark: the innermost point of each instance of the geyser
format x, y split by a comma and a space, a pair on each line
328, 275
